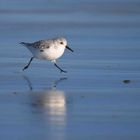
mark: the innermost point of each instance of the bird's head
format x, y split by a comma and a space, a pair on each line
63, 42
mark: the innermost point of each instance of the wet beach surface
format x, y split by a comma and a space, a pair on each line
99, 97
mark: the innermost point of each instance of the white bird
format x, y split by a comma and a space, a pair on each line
50, 50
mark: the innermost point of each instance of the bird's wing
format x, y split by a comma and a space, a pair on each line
37, 44
42, 44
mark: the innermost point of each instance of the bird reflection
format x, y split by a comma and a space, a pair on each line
50, 102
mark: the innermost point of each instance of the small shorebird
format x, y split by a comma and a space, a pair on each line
50, 50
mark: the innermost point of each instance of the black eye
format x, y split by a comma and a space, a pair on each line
61, 42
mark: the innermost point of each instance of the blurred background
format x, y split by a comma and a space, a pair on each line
99, 96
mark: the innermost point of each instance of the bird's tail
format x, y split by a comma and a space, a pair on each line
25, 44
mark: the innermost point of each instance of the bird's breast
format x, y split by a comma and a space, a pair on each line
50, 54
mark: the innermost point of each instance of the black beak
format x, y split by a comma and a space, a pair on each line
69, 49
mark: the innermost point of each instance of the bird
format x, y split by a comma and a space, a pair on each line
48, 49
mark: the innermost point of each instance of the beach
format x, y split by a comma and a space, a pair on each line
99, 97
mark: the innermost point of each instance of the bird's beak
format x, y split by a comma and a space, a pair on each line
69, 49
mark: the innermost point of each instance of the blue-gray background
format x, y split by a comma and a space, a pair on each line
91, 101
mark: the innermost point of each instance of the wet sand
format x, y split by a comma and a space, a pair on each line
99, 96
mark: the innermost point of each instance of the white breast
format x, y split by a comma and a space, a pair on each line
50, 54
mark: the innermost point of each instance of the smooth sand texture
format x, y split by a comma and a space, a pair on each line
99, 97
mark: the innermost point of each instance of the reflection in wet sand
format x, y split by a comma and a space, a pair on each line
55, 101
50, 106
51, 101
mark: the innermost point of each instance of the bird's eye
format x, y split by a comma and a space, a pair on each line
61, 42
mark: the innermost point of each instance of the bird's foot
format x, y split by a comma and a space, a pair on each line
63, 71
25, 68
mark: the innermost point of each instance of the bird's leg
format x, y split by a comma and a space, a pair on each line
61, 70
28, 64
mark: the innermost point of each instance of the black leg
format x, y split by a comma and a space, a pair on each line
61, 70
28, 63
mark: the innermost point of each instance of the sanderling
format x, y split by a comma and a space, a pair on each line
50, 50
